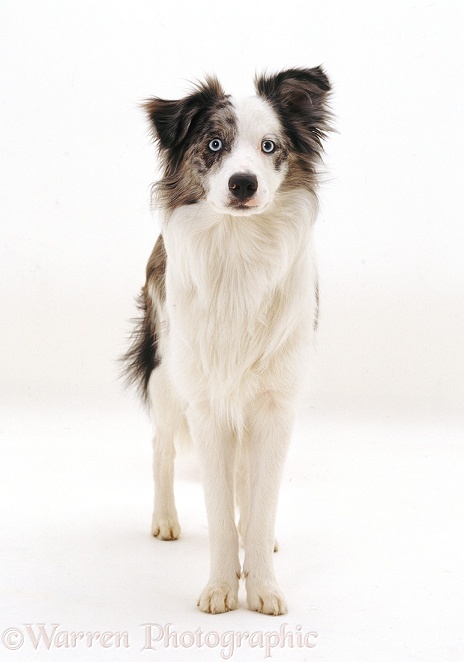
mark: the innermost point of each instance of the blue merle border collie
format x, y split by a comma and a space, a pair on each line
229, 309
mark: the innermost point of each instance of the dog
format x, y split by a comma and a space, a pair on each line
229, 309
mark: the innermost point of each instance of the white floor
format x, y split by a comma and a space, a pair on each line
370, 527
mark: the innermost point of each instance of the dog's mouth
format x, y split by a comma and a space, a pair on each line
235, 206
247, 204
245, 208
254, 204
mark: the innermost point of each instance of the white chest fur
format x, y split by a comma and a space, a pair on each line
240, 297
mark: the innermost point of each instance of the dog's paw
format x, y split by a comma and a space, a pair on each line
218, 597
266, 598
165, 528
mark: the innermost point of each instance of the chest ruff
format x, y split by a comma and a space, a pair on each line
239, 303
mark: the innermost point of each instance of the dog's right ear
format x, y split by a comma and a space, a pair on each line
172, 120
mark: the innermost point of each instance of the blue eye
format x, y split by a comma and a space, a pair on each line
268, 146
215, 145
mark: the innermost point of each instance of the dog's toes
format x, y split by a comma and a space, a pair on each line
166, 528
218, 598
267, 599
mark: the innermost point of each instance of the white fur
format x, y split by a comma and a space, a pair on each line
256, 122
234, 336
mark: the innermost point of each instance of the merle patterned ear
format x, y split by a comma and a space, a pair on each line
299, 96
171, 120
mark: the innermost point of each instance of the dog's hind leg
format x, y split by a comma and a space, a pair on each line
242, 488
169, 419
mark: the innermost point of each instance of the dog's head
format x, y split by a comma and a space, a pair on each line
236, 154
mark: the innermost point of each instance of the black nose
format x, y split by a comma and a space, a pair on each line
243, 185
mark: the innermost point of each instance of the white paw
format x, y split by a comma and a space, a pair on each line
265, 598
218, 597
165, 528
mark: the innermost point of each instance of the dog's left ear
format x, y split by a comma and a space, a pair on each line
299, 97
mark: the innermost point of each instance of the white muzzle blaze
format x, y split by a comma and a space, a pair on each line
246, 180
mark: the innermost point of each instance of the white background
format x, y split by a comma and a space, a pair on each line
371, 554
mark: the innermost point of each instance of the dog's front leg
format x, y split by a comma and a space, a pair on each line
269, 428
216, 445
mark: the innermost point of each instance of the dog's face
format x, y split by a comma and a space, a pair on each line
236, 154
249, 168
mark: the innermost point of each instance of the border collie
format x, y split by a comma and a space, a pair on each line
229, 308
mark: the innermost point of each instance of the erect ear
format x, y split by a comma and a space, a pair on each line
299, 96
171, 120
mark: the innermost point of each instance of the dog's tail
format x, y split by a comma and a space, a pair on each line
143, 355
